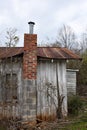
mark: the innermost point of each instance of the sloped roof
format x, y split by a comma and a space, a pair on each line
56, 53
42, 52
10, 51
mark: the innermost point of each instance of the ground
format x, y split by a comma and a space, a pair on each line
71, 123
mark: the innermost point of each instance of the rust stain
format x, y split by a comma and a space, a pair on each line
43, 52
10, 51
59, 52
45, 117
69, 53
56, 53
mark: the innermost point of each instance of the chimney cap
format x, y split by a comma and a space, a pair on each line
31, 23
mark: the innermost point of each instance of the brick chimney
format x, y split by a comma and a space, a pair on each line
29, 76
30, 54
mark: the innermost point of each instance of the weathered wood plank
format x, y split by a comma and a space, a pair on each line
71, 81
46, 74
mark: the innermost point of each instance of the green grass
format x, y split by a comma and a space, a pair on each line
76, 126
2, 128
79, 122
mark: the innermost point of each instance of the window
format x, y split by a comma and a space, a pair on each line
11, 87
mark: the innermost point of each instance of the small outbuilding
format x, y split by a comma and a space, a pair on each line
32, 79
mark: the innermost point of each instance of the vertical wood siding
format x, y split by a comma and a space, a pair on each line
71, 82
47, 79
10, 98
46, 89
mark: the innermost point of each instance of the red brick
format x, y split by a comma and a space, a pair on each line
30, 56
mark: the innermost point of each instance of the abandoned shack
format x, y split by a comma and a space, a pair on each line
32, 79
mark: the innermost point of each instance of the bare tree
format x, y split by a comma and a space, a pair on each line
11, 37
83, 42
66, 37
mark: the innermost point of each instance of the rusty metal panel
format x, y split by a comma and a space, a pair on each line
10, 51
56, 53
43, 52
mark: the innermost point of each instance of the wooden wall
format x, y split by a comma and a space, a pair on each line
71, 81
47, 99
11, 88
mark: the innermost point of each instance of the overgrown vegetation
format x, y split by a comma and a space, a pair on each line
75, 105
53, 92
76, 122
81, 74
76, 126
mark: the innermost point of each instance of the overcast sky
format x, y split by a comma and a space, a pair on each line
49, 15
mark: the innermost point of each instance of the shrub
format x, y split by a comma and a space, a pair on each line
75, 105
